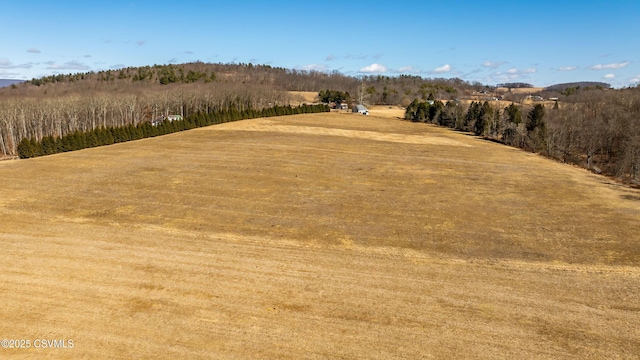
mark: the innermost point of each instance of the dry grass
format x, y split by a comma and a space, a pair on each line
392, 112
301, 97
527, 91
317, 236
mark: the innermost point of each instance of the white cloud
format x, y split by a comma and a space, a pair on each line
510, 75
33, 51
4, 73
493, 64
69, 65
635, 79
6, 64
568, 68
442, 69
609, 76
610, 66
313, 67
407, 69
515, 72
330, 58
374, 68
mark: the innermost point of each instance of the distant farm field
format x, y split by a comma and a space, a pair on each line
532, 90
317, 236
301, 97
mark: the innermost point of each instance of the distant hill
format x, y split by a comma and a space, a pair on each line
374, 89
9, 82
578, 85
515, 85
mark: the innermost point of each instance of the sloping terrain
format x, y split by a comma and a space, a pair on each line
317, 236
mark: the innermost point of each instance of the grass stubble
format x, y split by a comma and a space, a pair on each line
317, 236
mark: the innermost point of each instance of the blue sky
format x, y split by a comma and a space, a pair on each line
538, 41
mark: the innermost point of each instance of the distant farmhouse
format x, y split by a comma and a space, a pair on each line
360, 109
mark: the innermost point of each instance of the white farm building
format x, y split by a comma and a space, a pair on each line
360, 109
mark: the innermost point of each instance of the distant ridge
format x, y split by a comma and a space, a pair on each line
9, 82
578, 85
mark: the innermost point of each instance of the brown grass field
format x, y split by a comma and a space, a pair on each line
330, 235
301, 97
532, 90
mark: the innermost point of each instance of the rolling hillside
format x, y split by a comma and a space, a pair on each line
317, 236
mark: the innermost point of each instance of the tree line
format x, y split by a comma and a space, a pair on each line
36, 117
602, 134
47, 145
378, 89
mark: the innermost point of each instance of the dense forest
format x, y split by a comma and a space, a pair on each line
596, 129
377, 89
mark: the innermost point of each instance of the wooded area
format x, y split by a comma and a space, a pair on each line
37, 117
599, 129
101, 136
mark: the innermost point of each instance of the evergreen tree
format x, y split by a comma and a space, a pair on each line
513, 114
483, 119
471, 116
434, 111
37, 147
25, 149
536, 129
535, 117
48, 145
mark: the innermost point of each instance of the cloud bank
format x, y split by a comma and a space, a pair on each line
610, 66
374, 68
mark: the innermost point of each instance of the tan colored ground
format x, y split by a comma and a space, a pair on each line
392, 112
504, 103
301, 97
527, 91
317, 236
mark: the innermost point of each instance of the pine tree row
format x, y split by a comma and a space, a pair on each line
78, 140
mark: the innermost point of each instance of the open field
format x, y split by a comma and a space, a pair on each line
392, 112
317, 236
527, 91
302, 97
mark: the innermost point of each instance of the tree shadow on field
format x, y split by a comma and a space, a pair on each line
631, 197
